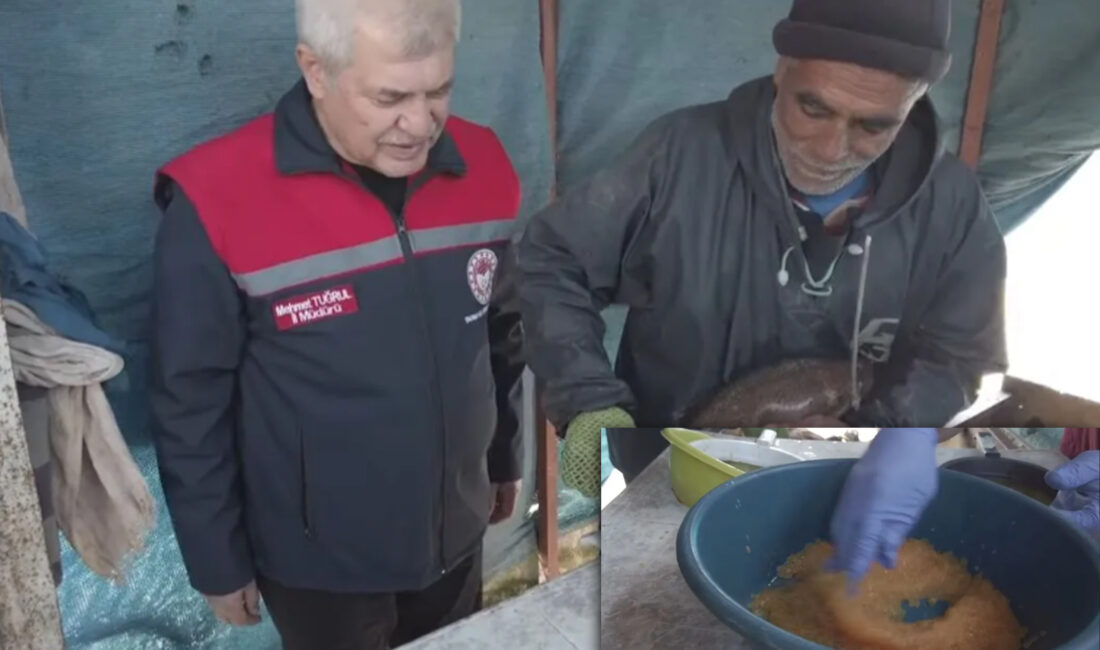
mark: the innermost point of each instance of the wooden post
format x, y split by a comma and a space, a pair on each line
547, 437
548, 45
548, 493
981, 81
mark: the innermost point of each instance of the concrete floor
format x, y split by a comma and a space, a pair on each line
559, 615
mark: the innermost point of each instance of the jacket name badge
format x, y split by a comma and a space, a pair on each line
302, 310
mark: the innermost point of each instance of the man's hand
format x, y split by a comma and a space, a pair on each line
503, 500
242, 607
882, 499
1078, 485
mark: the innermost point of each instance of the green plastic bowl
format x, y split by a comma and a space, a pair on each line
693, 472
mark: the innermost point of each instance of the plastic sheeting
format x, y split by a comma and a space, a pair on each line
1044, 110
96, 96
158, 608
624, 62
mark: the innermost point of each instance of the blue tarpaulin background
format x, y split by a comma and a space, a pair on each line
96, 95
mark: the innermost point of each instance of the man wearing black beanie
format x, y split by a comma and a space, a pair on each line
812, 213
851, 63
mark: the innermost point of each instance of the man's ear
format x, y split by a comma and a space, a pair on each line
782, 66
313, 70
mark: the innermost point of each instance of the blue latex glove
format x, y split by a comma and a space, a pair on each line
883, 497
1078, 485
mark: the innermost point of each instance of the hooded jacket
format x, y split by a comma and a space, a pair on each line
694, 230
333, 385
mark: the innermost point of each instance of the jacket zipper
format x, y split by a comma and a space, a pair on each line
406, 249
307, 521
436, 390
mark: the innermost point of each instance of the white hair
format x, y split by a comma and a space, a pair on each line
424, 26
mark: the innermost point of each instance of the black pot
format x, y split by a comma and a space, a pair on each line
1026, 478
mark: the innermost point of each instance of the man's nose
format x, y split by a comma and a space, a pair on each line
832, 146
416, 119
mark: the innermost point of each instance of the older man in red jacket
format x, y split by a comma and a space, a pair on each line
334, 364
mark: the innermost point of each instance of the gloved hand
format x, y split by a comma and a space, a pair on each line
883, 497
580, 453
1078, 485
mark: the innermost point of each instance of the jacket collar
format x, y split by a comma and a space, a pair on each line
301, 145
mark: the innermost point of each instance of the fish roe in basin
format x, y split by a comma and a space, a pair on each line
816, 604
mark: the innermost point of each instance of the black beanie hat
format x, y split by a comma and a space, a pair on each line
906, 37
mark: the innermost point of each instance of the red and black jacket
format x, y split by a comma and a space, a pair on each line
333, 385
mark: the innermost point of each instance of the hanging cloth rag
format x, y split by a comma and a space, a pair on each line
101, 501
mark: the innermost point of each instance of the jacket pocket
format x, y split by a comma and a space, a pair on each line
303, 483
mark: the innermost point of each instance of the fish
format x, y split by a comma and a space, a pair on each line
786, 393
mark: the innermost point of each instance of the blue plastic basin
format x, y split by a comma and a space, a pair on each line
734, 538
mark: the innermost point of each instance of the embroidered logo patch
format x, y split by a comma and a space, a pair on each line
303, 310
479, 274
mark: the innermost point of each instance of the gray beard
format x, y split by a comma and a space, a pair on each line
785, 154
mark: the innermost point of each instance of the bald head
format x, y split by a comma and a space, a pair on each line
414, 29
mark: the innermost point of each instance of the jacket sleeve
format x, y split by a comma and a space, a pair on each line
960, 336
196, 341
571, 259
506, 356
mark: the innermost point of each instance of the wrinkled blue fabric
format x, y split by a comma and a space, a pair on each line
824, 204
25, 278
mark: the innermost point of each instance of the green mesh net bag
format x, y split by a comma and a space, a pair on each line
581, 467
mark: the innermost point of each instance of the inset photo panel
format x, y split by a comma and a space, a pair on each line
833, 537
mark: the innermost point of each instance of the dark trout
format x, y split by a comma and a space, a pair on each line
785, 393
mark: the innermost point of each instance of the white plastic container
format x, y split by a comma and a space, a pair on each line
761, 452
